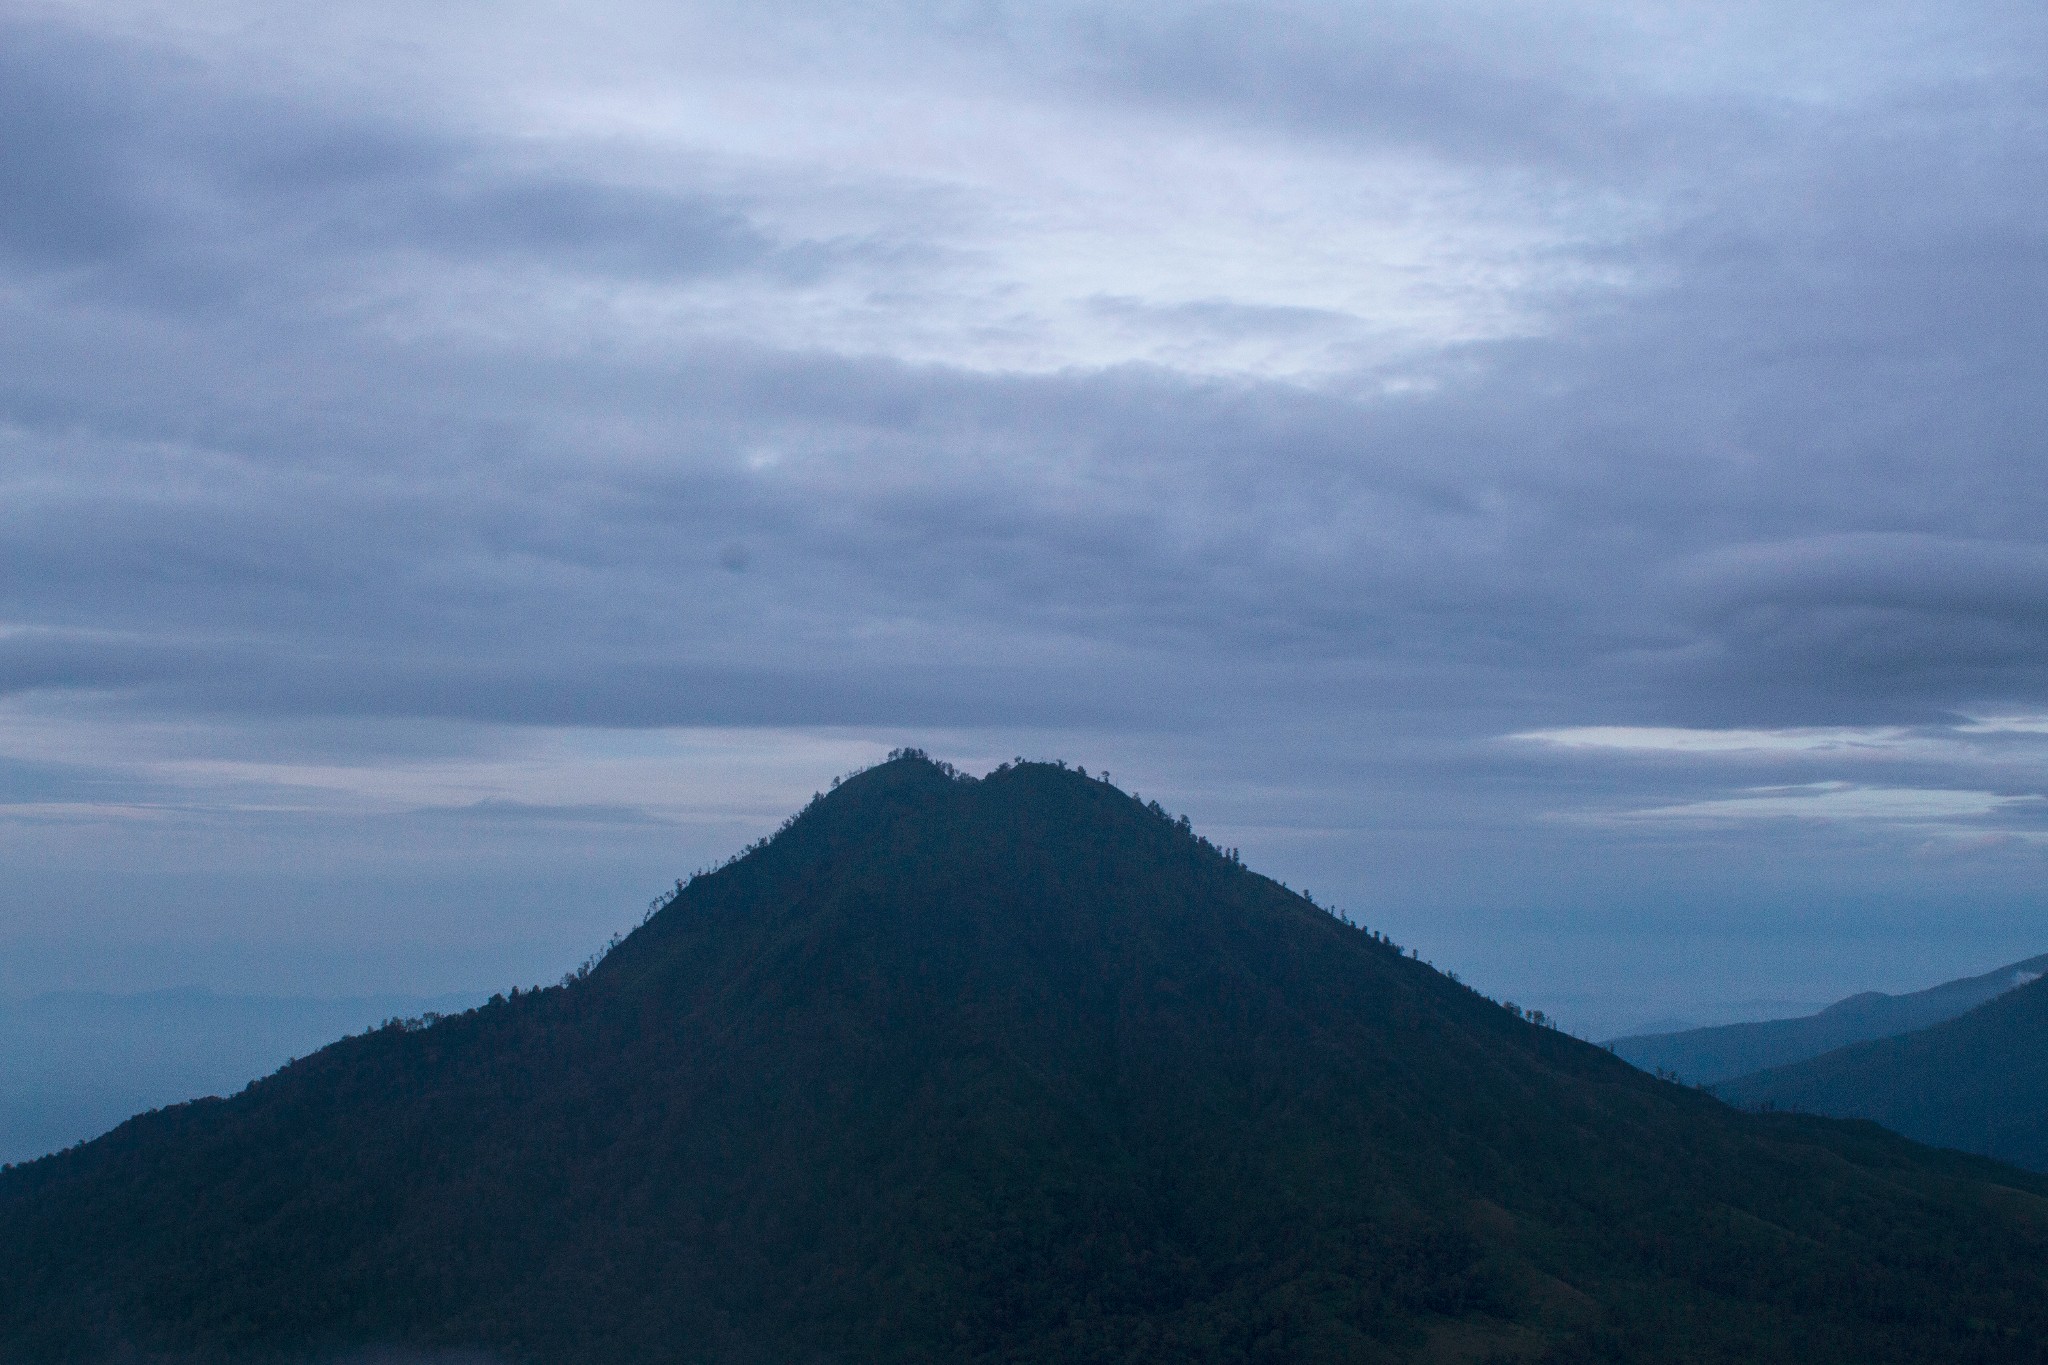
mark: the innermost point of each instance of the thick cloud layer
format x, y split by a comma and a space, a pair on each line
1290, 404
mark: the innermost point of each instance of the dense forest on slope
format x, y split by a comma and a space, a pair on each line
1978, 1083
1705, 1056
1008, 1070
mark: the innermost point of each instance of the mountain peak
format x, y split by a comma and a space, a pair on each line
1013, 1069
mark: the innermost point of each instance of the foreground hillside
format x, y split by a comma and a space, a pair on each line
1978, 1083
1705, 1056
1009, 1070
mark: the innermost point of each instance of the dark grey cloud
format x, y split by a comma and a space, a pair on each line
1904, 617
143, 180
1496, 87
618, 560
65, 136
35, 659
356, 188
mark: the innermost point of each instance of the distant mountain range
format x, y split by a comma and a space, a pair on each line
1016, 1070
1708, 1056
1978, 1082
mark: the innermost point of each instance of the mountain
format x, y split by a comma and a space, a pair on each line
1978, 1083
1705, 1056
75, 1063
1011, 1070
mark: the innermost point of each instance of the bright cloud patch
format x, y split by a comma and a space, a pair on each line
1893, 764
2005, 725
1654, 739
1845, 801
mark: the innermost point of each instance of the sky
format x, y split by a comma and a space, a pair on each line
1560, 481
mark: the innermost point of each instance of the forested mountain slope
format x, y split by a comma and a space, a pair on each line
1704, 1056
1978, 1083
1012, 1070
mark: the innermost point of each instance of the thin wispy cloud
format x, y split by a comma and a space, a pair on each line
1834, 741
1912, 808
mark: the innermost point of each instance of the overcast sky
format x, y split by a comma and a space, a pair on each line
1563, 482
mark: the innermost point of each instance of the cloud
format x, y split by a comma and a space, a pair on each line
1845, 801
1888, 570
1300, 397
1833, 741
1897, 610
465, 389
1893, 765
71, 194
2005, 725
519, 812
1493, 83
290, 544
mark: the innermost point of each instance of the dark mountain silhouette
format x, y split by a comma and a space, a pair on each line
1704, 1056
1978, 1083
1008, 1070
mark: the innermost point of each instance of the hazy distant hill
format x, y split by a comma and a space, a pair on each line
1704, 1056
1978, 1083
75, 1063
1010, 1070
